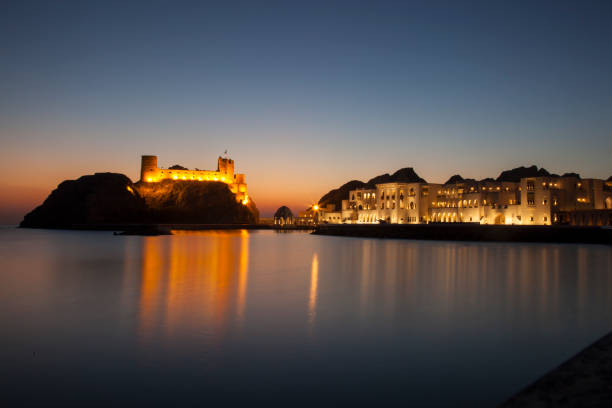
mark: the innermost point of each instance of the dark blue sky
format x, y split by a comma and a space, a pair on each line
334, 90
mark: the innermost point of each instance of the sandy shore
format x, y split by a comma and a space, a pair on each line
585, 380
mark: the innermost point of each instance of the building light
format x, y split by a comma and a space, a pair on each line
149, 179
222, 178
175, 177
184, 178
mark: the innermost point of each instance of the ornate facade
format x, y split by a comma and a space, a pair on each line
532, 201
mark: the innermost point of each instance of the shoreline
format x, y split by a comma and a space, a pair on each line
133, 229
437, 232
584, 380
469, 232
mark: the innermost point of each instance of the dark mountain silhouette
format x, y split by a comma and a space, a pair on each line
405, 175
177, 167
516, 174
111, 198
102, 198
571, 175
454, 179
335, 196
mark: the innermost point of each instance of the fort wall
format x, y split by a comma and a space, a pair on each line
151, 173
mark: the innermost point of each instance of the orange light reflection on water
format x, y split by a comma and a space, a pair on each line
314, 281
193, 277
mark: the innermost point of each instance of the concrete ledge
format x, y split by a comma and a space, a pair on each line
471, 232
585, 380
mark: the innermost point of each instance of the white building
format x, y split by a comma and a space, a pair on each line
532, 201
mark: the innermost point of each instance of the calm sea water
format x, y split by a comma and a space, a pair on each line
287, 319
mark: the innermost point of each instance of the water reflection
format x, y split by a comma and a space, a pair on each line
314, 281
442, 281
206, 316
193, 279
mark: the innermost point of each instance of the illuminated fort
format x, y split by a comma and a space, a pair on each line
151, 173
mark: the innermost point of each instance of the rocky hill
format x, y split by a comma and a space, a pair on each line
195, 202
102, 198
516, 174
335, 196
110, 198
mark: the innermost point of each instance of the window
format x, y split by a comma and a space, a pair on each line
544, 202
545, 219
412, 205
531, 199
531, 218
530, 186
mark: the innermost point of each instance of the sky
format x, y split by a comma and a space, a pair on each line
305, 96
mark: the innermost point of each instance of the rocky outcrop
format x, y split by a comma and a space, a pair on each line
195, 202
335, 196
405, 175
112, 199
515, 175
102, 198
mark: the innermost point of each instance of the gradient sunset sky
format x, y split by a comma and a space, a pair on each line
304, 95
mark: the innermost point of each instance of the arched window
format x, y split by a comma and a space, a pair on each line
412, 205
